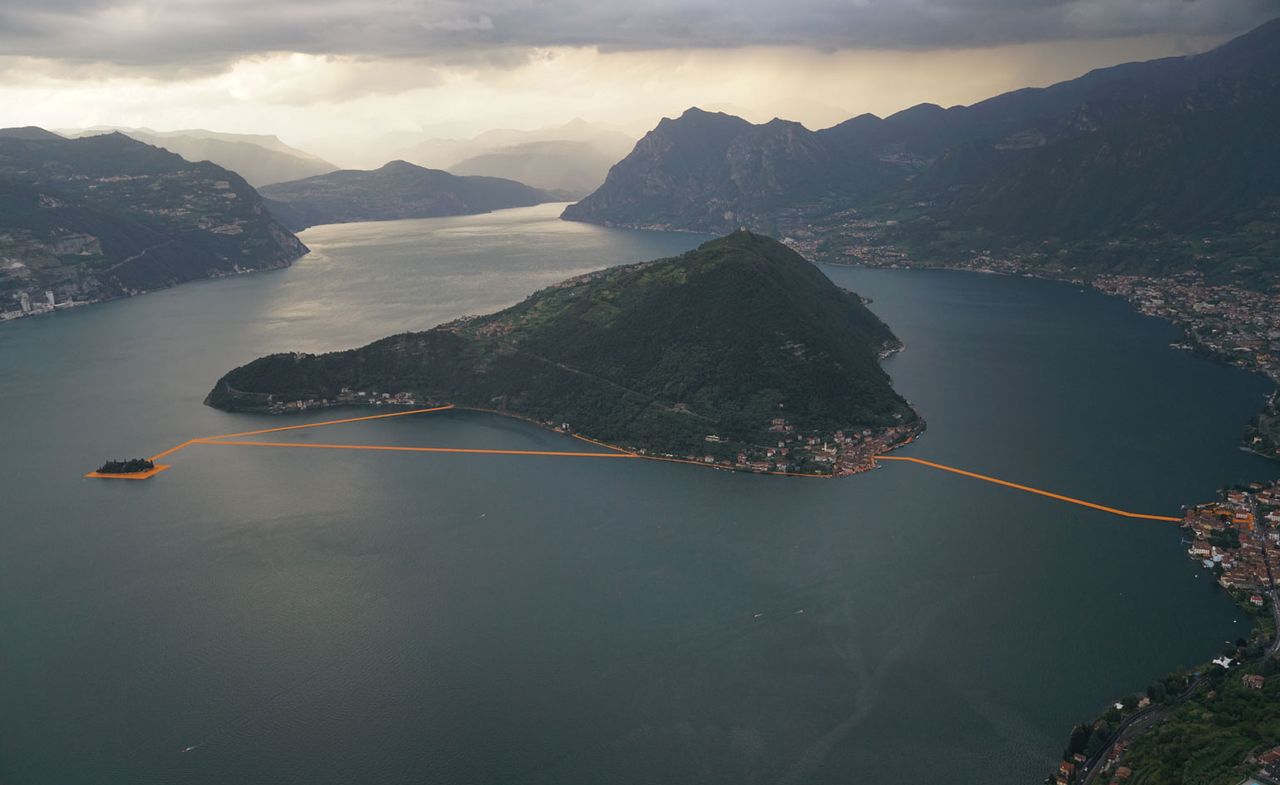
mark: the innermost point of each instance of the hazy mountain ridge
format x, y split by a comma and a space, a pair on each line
571, 159
260, 159
396, 190
98, 217
720, 340
567, 169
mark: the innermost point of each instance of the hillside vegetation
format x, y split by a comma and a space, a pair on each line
720, 341
107, 215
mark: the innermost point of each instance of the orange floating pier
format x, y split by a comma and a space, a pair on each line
398, 448
1028, 489
240, 440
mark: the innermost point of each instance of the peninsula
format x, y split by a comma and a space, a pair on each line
738, 354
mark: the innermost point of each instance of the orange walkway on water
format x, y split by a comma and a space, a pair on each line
236, 439
239, 440
395, 448
1029, 489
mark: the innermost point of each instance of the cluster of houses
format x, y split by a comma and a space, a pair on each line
841, 453
346, 397
1269, 763
1070, 771
1239, 539
1239, 325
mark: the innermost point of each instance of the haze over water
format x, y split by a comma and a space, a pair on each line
330, 617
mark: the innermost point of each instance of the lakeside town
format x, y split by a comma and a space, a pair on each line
27, 305
839, 454
1229, 323
1236, 539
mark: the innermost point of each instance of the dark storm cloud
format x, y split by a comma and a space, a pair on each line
192, 32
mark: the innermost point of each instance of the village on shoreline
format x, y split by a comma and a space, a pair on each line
1237, 540
789, 451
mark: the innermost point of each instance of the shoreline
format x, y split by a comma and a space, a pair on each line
847, 471
1139, 718
7, 316
1098, 284
1146, 717
1240, 545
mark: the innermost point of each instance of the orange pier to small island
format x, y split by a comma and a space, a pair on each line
238, 440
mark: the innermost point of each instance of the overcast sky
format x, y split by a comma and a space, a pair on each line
336, 76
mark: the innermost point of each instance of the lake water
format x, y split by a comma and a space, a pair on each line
310, 616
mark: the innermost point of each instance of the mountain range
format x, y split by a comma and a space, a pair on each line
260, 159
103, 216
705, 353
565, 169
1131, 166
395, 190
569, 160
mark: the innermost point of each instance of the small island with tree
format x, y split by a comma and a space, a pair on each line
131, 466
130, 469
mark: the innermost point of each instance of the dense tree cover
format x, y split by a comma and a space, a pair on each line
1213, 724
1206, 740
1152, 195
740, 331
130, 466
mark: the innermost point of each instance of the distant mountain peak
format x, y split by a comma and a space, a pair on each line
28, 132
697, 114
921, 110
400, 164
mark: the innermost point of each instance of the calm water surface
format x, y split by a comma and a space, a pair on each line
325, 617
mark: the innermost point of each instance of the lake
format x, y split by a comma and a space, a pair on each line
309, 616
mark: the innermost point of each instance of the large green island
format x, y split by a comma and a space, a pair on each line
737, 354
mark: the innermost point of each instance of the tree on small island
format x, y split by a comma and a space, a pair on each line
131, 466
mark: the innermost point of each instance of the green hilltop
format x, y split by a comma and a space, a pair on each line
726, 340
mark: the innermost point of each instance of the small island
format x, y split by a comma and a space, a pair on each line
739, 354
131, 466
128, 469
